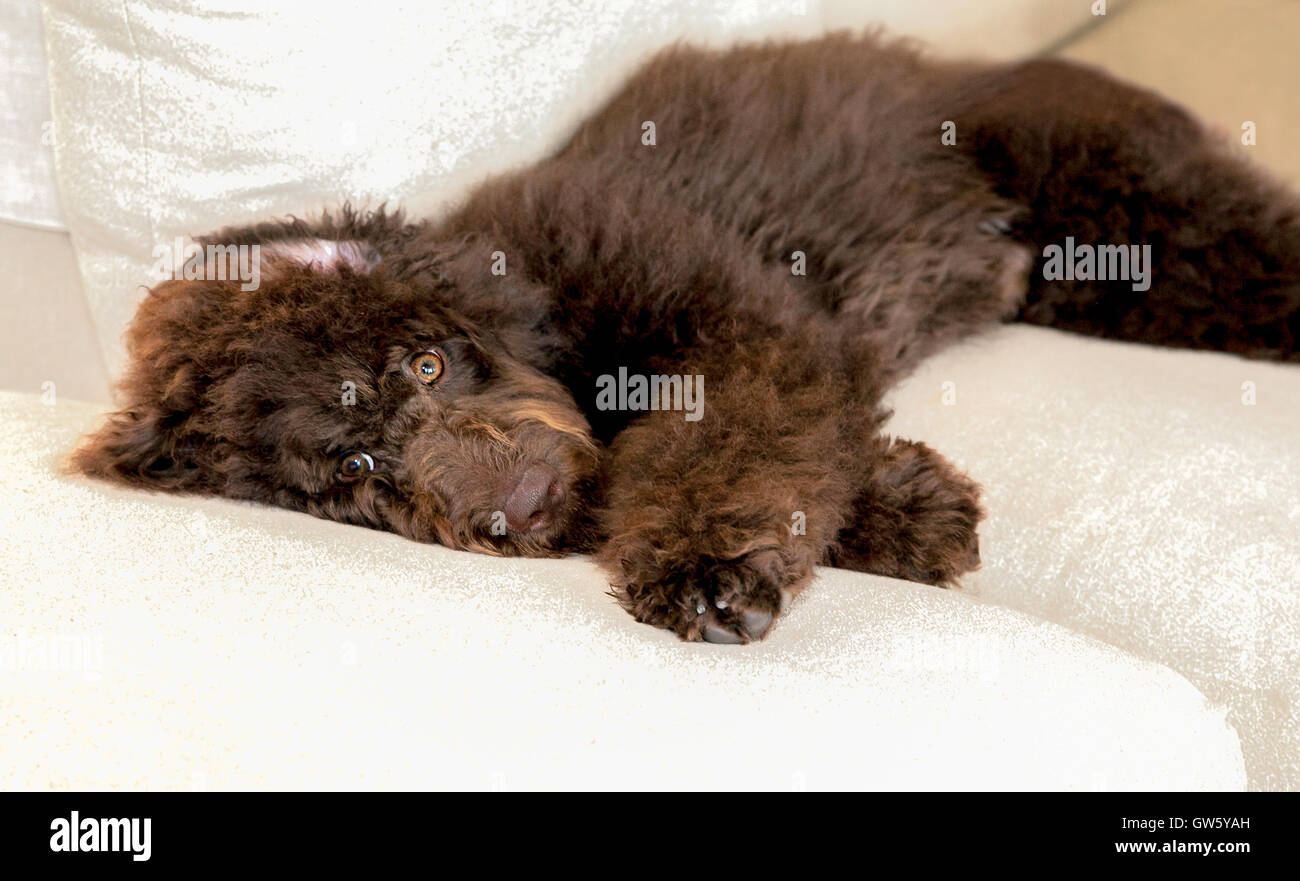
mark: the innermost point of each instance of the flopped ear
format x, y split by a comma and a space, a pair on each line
151, 442
345, 237
252, 261
141, 447
323, 255
130, 447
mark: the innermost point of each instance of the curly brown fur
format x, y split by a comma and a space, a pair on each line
676, 259
1101, 161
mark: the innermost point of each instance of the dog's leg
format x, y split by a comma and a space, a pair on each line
1098, 162
915, 518
713, 523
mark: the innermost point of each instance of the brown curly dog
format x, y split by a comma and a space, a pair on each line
667, 343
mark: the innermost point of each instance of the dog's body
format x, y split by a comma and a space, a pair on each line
796, 224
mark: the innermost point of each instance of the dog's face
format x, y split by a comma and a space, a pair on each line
337, 390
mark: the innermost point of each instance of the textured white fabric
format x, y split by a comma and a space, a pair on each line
28, 193
1133, 495
168, 642
177, 117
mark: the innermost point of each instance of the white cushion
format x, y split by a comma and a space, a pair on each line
1134, 496
28, 193
165, 131
172, 642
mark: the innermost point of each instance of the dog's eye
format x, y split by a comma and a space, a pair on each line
428, 366
354, 466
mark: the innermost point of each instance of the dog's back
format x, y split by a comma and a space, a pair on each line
918, 201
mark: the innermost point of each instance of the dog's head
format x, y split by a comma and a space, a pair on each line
353, 393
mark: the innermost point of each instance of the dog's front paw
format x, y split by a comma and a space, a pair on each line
917, 519
706, 598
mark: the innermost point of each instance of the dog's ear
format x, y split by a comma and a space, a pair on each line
152, 441
345, 237
142, 446
253, 261
323, 255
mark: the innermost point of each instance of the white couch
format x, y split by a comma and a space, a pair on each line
1136, 623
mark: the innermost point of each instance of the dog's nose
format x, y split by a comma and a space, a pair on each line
535, 500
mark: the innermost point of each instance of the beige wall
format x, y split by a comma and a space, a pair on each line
45, 329
1226, 62
984, 28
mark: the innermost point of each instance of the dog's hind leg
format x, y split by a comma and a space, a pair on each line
1098, 162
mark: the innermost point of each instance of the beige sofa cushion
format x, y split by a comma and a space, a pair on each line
166, 642
1146, 496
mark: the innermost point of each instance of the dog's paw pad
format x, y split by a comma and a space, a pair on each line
715, 632
749, 625
716, 599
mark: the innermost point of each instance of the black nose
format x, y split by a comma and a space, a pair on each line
535, 500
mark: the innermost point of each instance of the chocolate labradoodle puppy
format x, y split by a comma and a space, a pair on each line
781, 231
